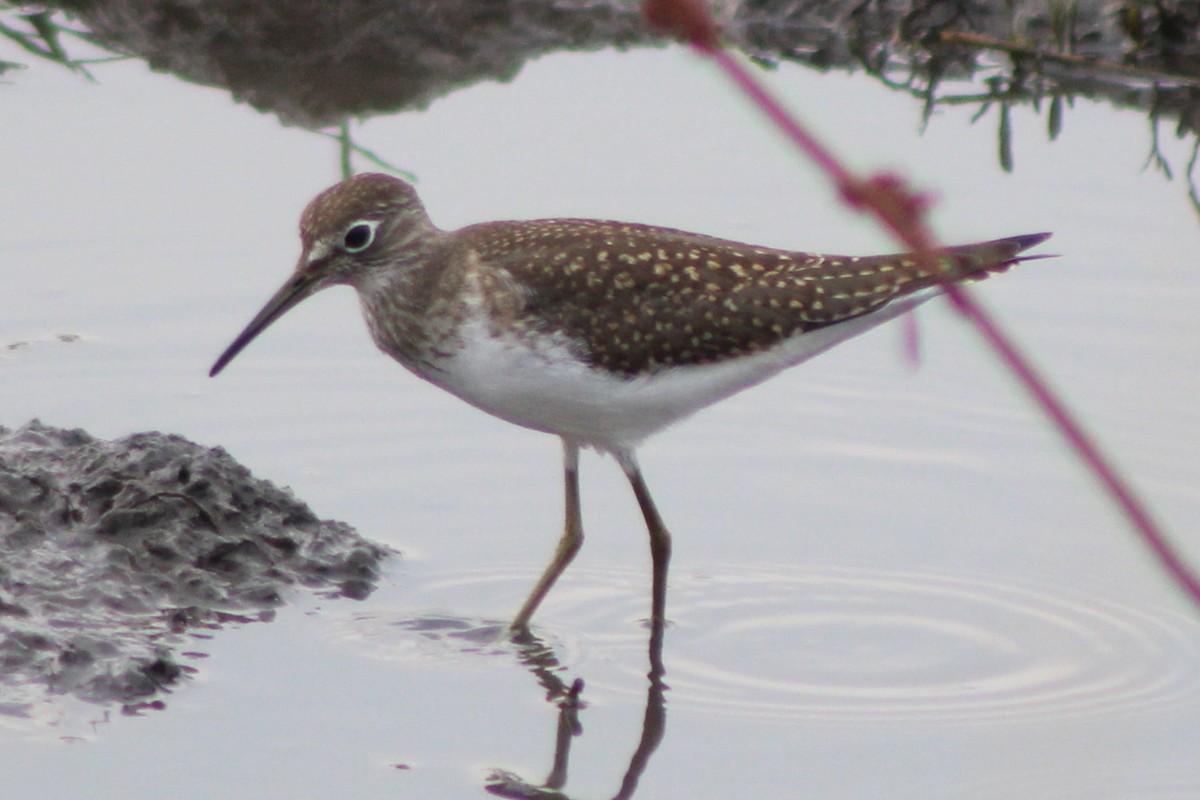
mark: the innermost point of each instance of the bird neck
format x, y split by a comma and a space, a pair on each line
414, 303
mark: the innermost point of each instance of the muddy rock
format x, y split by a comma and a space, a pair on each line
110, 551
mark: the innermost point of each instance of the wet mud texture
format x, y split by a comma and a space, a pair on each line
114, 555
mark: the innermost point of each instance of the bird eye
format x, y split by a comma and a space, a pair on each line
358, 236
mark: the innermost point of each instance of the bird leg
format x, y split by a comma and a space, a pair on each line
660, 557
568, 545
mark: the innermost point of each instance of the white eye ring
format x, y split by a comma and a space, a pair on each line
359, 235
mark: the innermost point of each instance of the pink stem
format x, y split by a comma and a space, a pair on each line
1078, 438
912, 232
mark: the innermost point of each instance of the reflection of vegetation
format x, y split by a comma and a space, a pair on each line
1135, 53
1039, 76
44, 36
43, 39
1156, 159
348, 148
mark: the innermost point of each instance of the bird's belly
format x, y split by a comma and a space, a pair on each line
546, 387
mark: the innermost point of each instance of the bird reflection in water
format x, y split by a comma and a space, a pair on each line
540, 659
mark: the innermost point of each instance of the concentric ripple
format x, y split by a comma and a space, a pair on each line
838, 645
856, 646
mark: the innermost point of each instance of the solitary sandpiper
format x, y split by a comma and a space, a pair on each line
599, 332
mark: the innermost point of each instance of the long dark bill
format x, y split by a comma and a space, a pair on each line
291, 293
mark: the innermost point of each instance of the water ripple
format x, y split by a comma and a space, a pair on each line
840, 646
855, 646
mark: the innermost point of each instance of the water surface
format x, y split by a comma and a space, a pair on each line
887, 582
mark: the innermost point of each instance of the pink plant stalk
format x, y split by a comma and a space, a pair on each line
904, 213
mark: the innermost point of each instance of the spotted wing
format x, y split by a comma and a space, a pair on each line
641, 298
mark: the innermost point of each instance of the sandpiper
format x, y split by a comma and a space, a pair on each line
599, 332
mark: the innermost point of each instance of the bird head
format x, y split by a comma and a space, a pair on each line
353, 230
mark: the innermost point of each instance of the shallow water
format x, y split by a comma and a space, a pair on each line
887, 582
